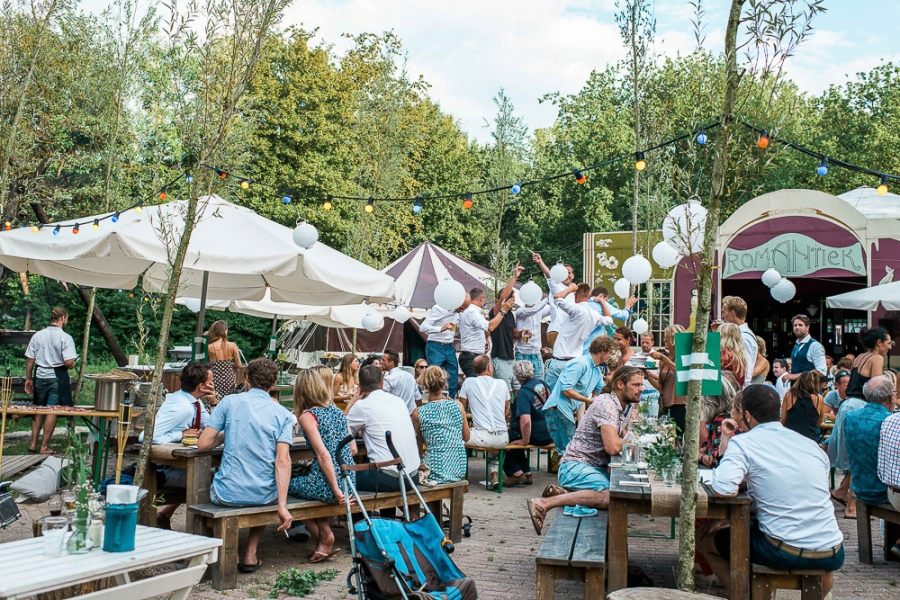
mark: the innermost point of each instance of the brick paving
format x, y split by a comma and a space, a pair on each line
500, 553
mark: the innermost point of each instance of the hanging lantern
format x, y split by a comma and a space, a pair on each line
640, 326
684, 227
783, 291
371, 322
622, 288
771, 277
530, 293
666, 255
449, 294
305, 235
402, 314
637, 269
559, 272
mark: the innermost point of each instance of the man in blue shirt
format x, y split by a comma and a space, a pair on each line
862, 431
256, 463
614, 311
580, 379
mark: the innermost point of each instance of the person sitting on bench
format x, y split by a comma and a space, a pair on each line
527, 424
787, 476
889, 462
488, 400
256, 462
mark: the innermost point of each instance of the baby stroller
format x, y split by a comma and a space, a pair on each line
400, 559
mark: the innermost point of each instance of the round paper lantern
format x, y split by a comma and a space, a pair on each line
402, 314
371, 321
305, 235
783, 291
622, 288
640, 326
559, 272
684, 227
771, 277
665, 255
530, 293
449, 294
637, 269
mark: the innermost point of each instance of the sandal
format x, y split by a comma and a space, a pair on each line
552, 490
245, 568
836, 499
317, 557
537, 514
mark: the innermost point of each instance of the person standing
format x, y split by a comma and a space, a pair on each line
621, 314
50, 354
808, 354
398, 382
802, 408
672, 406
440, 327
474, 328
558, 291
503, 337
581, 321
528, 330
734, 310
224, 358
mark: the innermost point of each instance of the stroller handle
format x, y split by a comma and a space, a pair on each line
390, 444
340, 447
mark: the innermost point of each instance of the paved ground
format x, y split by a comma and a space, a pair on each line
500, 553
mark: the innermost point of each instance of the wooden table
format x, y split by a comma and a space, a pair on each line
27, 571
199, 465
624, 501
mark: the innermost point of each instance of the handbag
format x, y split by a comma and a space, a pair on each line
301, 468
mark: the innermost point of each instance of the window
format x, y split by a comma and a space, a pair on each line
655, 305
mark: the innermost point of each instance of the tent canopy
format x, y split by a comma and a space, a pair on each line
887, 294
243, 253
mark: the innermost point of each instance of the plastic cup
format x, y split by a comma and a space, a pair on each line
668, 476
54, 531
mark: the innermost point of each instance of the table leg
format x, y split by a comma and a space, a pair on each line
147, 510
199, 480
456, 514
740, 551
864, 532
546, 584
593, 584
617, 535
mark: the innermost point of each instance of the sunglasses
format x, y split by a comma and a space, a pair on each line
843, 374
420, 366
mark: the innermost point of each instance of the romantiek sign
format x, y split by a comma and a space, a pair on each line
793, 255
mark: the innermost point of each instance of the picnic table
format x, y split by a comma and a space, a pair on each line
199, 465
657, 500
27, 571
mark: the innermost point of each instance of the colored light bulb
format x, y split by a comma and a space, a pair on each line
640, 164
517, 188
763, 140
702, 138
189, 178
36, 228
56, 230
139, 207
417, 205
245, 184
286, 199
115, 217
370, 205
883, 188
163, 195
96, 225
468, 202
75, 229
823, 168
7, 225
579, 176
327, 205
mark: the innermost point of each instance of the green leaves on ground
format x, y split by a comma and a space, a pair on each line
295, 582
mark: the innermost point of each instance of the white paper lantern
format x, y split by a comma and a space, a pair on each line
305, 235
371, 321
684, 227
771, 277
637, 269
640, 326
622, 288
559, 272
449, 294
783, 291
402, 314
665, 255
530, 293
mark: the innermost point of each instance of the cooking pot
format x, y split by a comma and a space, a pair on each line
109, 391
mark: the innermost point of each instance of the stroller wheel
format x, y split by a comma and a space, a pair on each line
467, 527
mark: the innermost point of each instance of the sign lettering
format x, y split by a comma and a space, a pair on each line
793, 255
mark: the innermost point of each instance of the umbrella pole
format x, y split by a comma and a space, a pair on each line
198, 353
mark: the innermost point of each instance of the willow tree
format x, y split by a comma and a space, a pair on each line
764, 33
210, 53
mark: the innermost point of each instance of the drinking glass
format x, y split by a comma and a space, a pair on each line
668, 476
55, 506
54, 530
69, 499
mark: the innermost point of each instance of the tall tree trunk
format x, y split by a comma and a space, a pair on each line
635, 73
84, 347
684, 574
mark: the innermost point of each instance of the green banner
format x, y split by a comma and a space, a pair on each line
711, 373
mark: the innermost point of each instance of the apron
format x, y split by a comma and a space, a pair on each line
63, 385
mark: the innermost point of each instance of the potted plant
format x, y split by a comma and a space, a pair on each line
80, 484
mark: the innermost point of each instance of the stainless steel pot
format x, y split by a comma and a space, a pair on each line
109, 391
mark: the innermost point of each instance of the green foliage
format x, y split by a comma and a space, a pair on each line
297, 583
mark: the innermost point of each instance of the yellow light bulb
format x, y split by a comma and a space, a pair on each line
245, 184
640, 165
95, 227
138, 209
328, 205
35, 229
882, 189
369, 208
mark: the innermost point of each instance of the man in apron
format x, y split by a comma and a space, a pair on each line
50, 353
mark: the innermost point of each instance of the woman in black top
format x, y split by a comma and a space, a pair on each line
870, 364
803, 408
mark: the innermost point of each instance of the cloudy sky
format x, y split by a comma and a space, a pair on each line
469, 49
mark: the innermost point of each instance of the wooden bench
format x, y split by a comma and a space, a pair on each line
764, 581
500, 456
226, 523
575, 550
864, 528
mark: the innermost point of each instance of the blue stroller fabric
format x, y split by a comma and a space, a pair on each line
420, 562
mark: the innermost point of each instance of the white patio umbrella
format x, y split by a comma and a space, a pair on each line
887, 294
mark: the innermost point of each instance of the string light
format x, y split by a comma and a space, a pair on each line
516, 189
468, 202
823, 168
579, 176
140, 206
702, 138
640, 164
222, 174
189, 178
56, 231
370, 205
328, 204
8, 225
286, 199
163, 195
115, 217
763, 140
245, 183
883, 188
75, 229
96, 225
417, 205
36, 228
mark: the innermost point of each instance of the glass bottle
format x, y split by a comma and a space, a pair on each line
630, 448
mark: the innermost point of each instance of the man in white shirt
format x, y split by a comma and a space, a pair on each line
488, 401
528, 330
473, 329
734, 310
398, 382
182, 413
558, 291
440, 327
808, 354
787, 476
581, 321
50, 354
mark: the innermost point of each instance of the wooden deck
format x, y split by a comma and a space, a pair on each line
13, 465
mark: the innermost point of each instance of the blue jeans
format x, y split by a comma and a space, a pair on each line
763, 552
534, 359
561, 429
444, 356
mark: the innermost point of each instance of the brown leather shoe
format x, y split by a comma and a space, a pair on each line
528, 479
513, 480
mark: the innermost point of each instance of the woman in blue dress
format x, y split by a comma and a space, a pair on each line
324, 426
443, 428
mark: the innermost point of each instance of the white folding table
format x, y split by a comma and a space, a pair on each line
27, 571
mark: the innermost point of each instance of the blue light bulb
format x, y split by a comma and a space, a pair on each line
517, 188
823, 168
287, 199
702, 138
417, 207
56, 231
189, 178
115, 217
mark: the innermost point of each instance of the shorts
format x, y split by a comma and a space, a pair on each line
576, 476
46, 392
503, 370
763, 552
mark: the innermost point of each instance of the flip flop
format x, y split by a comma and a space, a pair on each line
48, 453
317, 557
245, 568
537, 515
552, 490
836, 499
579, 512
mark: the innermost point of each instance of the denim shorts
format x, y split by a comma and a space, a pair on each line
763, 552
576, 476
46, 392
